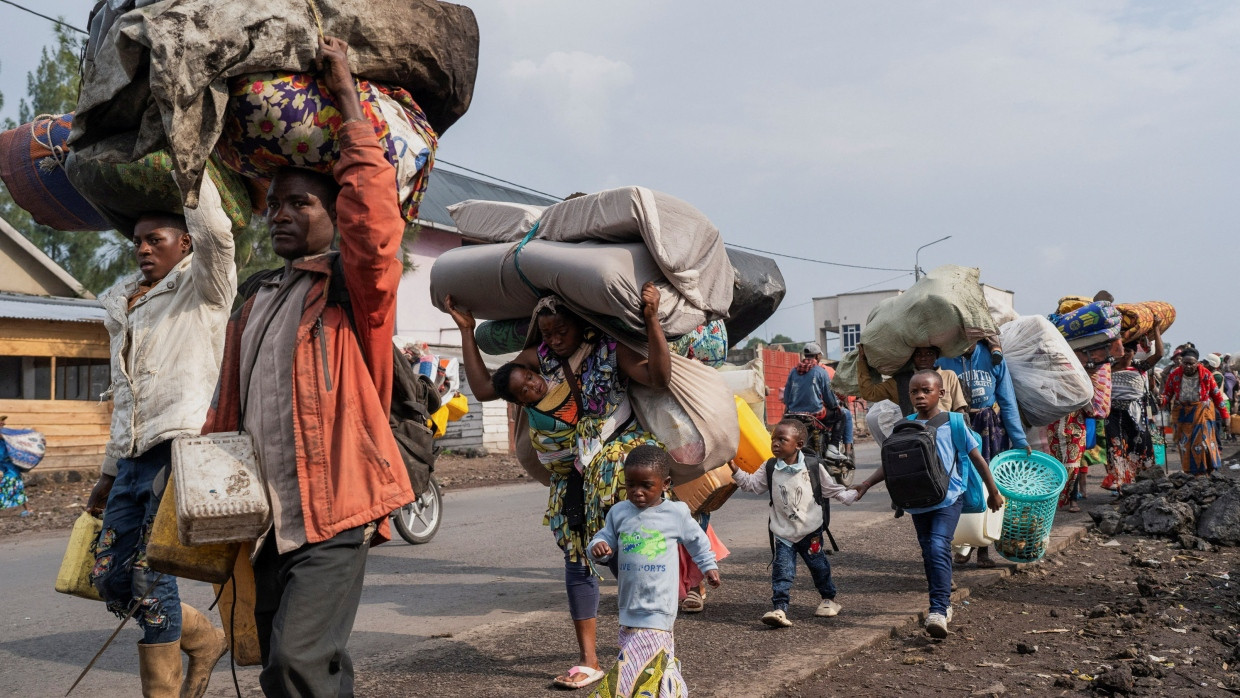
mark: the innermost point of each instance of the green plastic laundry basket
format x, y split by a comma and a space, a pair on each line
1031, 484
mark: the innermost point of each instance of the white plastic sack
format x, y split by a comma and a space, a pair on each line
1049, 381
881, 419
746, 381
945, 309
694, 417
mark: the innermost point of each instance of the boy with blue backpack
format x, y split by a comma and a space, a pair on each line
926, 464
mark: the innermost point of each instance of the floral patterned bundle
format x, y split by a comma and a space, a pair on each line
282, 119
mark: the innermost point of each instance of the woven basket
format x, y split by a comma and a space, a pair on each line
1031, 484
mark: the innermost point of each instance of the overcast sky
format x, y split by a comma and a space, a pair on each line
1066, 146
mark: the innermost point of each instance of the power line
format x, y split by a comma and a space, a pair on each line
901, 276
441, 161
816, 261
50, 19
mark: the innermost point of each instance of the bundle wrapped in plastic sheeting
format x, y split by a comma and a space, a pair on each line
945, 309
32, 165
681, 240
122, 193
1137, 319
592, 278
277, 120
759, 289
881, 419
1049, 381
156, 77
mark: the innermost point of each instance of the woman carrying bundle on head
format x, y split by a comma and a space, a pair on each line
1129, 432
573, 383
1193, 395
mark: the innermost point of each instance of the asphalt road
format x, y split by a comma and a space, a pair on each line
491, 560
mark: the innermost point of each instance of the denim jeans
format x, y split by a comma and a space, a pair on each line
784, 569
121, 573
935, 530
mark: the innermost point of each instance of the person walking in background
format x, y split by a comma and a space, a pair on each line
166, 326
993, 412
896, 387
1194, 398
1066, 437
1129, 432
807, 393
12, 486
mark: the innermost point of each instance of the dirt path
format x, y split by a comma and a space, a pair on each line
1127, 616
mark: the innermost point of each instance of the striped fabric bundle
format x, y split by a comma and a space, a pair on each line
32, 159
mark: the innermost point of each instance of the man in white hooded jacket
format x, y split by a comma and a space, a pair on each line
166, 325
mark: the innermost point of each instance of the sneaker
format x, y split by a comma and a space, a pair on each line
777, 619
833, 453
936, 624
828, 609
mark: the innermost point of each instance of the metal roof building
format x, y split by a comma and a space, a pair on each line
16, 306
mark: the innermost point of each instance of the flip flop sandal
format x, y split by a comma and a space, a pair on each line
591, 674
694, 602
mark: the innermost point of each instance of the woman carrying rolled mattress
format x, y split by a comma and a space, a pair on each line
574, 387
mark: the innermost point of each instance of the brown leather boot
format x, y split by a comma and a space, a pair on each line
205, 644
160, 668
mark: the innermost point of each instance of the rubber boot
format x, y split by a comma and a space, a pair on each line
160, 668
205, 644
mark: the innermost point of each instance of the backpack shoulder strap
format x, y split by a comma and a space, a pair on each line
769, 466
940, 419
815, 478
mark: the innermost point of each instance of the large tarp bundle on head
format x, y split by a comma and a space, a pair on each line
945, 309
157, 77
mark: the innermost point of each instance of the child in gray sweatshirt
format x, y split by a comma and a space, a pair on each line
643, 532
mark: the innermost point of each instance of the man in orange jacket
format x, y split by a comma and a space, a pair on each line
311, 381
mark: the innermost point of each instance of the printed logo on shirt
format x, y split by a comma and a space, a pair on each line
646, 542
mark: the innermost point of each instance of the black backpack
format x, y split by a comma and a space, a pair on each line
911, 464
414, 399
815, 482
